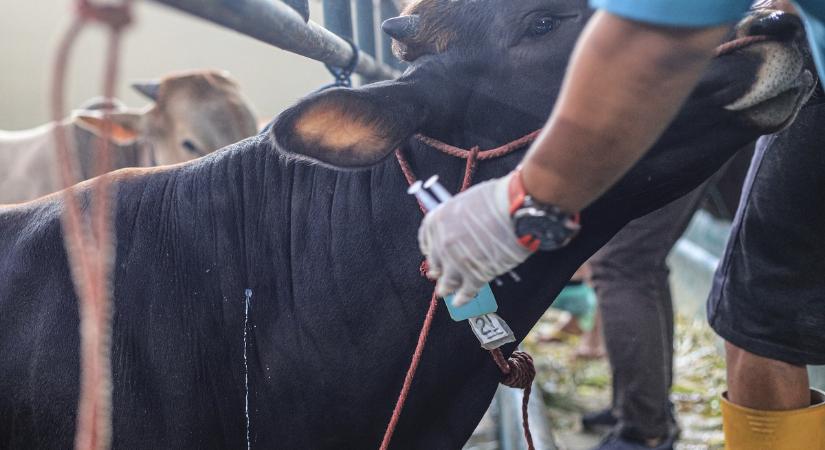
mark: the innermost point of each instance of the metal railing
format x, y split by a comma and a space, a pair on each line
275, 23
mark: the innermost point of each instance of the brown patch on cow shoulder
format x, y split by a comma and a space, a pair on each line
336, 129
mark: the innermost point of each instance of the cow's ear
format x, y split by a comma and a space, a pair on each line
351, 128
125, 125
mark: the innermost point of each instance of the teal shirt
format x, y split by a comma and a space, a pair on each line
703, 13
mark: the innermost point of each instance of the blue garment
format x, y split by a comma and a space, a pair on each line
703, 13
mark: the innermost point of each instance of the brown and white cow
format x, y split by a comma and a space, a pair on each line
192, 114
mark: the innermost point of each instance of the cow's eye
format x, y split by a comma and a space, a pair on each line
191, 147
543, 25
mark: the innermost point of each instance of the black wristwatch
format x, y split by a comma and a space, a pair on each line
539, 226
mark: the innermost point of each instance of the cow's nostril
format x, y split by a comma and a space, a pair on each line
778, 25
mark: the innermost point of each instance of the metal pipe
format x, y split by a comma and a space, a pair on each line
388, 10
511, 432
365, 18
338, 17
275, 23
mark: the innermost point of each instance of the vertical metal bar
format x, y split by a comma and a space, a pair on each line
338, 17
365, 21
365, 16
388, 9
277, 24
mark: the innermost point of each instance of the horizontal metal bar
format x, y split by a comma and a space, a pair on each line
275, 23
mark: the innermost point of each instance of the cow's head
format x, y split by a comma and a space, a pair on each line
485, 72
192, 114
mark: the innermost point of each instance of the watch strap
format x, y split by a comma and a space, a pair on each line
518, 197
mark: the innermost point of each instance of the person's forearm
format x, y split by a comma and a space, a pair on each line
625, 84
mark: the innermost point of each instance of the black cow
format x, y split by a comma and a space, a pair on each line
330, 257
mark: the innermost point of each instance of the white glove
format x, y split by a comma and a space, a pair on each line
470, 239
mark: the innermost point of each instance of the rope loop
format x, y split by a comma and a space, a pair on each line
521, 371
518, 371
116, 17
343, 75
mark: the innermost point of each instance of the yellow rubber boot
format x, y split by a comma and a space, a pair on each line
798, 429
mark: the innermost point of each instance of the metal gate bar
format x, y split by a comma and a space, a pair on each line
275, 23
388, 10
338, 17
365, 14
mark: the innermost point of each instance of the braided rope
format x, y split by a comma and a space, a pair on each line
518, 371
483, 155
89, 246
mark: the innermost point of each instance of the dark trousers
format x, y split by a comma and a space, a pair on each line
630, 276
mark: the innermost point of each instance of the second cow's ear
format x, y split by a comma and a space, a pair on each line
351, 128
125, 128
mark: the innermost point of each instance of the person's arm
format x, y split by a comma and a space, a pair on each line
626, 81
625, 84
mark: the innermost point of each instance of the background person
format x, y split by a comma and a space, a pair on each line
631, 278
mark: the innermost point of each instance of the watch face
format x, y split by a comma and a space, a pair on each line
552, 231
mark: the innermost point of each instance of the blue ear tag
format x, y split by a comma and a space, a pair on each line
481, 304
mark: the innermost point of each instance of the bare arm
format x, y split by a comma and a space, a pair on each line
625, 84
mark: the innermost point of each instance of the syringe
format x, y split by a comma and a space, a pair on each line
429, 202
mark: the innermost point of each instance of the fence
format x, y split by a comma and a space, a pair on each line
276, 23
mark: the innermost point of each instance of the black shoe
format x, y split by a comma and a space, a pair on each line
599, 421
614, 441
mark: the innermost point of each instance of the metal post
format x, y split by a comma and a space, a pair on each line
277, 24
388, 10
338, 17
511, 431
365, 15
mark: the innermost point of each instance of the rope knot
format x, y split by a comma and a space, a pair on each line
115, 16
521, 371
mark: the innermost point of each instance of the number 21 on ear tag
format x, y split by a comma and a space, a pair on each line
492, 331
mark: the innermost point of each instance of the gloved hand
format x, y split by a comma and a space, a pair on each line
470, 239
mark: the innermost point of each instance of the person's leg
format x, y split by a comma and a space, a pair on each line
591, 345
631, 281
763, 383
769, 405
768, 298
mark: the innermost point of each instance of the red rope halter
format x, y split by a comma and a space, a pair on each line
518, 371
